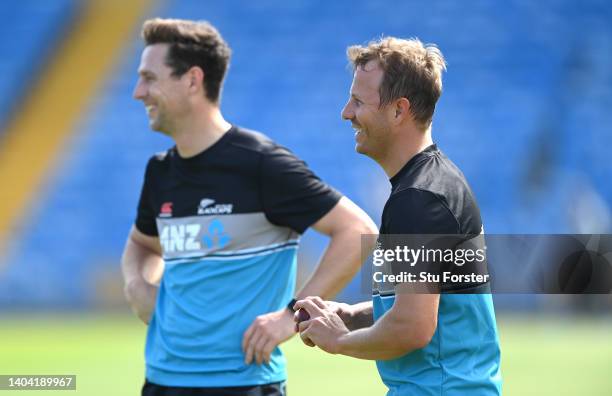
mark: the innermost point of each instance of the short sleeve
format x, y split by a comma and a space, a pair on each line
292, 195
145, 218
414, 211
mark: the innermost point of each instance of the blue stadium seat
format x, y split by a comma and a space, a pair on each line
31, 31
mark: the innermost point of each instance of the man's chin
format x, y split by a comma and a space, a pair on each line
360, 149
155, 126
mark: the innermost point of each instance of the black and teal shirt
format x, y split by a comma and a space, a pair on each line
430, 195
228, 221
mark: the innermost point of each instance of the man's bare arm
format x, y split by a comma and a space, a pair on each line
355, 316
407, 326
142, 267
344, 224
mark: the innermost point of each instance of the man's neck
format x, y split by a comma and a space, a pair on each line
199, 132
403, 150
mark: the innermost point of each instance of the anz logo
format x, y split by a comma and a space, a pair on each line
216, 236
180, 238
186, 237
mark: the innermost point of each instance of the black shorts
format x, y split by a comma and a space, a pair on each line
274, 389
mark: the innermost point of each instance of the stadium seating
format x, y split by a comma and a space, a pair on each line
525, 113
31, 30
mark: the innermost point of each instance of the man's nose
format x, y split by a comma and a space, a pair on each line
347, 112
139, 91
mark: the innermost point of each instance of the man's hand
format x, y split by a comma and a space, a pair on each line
141, 296
266, 333
324, 328
343, 310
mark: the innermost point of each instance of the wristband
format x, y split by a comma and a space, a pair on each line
291, 304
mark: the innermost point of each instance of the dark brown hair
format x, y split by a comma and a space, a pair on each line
191, 44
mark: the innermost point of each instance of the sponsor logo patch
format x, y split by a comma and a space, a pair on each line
191, 237
206, 207
166, 210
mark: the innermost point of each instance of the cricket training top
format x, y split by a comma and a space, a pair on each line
430, 195
228, 221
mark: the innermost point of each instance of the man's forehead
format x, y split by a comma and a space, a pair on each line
153, 57
367, 78
370, 66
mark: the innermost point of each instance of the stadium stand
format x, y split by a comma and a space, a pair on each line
525, 114
31, 30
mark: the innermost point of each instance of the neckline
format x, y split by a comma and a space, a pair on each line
206, 152
431, 149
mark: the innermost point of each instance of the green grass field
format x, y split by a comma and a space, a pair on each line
539, 357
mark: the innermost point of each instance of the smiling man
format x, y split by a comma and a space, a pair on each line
219, 220
423, 343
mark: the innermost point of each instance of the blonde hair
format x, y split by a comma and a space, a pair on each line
411, 70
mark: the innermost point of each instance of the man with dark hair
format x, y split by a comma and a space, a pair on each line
191, 44
423, 343
220, 215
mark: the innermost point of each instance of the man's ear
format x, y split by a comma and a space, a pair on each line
401, 109
195, 78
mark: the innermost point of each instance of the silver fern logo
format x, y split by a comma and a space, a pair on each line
205, 207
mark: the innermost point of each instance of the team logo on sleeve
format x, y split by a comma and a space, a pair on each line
206, 207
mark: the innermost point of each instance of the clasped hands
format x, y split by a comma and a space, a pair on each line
325, 326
